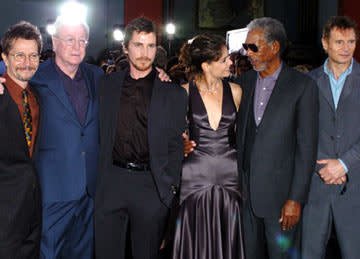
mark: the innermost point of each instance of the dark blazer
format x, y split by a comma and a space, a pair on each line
339, 135
20, 197
284, 151
68, 151
166, 123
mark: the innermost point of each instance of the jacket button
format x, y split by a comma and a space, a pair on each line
82, 134
332, 137
83, 153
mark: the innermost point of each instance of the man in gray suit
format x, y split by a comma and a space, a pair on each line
335, 187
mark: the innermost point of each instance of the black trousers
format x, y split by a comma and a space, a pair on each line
264, 238
131, 220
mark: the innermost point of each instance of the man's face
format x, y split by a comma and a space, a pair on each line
22, 60
340, 45
70, 45
260, 59
141, 51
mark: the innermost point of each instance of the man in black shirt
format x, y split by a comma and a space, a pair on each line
141, 125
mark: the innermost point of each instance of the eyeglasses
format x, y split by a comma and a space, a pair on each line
71, 41
21, 57
251, 46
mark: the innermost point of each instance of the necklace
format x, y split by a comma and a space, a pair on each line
208, 90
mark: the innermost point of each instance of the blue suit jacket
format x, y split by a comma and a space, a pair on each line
68, 151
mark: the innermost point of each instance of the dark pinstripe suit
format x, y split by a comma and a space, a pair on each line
20, 198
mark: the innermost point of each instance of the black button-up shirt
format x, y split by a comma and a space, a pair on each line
131, 140
77, 92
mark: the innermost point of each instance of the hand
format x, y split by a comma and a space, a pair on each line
333, 172
290, 214
188, 145
163, 244
2, 80
163, 76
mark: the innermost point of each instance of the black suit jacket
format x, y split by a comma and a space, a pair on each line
284, 151
20, 199
166, 123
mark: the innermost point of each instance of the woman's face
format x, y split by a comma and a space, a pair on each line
221, 67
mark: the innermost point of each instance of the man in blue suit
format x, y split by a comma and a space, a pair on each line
68, 148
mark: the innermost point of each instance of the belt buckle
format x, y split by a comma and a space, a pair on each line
132, 166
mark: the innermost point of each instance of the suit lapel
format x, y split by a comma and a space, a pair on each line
17, 117
251, 90
90, 83
325, 90
112, 102
350, 82
56, 86
155, 107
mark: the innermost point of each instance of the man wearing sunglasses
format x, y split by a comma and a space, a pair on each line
335, 187
277, 141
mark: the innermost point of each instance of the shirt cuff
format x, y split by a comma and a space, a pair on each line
343, 164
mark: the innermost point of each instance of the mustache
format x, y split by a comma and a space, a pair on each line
143, 59
27, 68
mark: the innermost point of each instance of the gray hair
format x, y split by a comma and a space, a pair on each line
273, 30
60, 22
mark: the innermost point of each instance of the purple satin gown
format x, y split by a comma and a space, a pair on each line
208, 225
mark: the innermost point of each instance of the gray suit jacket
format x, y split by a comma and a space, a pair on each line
284, 152
339, 132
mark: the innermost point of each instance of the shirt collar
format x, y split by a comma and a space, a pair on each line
274, 76
149, 77
13, 87
331, 74
78, 75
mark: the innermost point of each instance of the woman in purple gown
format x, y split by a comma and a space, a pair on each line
208, 224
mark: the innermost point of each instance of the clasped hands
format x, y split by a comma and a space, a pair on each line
333, 172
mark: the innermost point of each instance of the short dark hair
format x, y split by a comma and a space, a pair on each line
203, 48
342, 23
138, 25
21, 30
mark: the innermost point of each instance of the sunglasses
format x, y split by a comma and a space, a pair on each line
251, 46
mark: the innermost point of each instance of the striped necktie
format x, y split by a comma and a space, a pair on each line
27, 120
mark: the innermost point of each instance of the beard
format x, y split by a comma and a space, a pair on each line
142, 64
259, 68
25, 78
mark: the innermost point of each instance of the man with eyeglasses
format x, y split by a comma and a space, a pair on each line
68, 148
20, 197
277, 141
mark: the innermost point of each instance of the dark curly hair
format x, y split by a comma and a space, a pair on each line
202, 48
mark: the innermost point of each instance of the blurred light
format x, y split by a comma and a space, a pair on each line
170, 28
50, 28
73, 12
118, 35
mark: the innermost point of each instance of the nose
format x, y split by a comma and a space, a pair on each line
249, 53
27, 60
76, 45
347, 46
